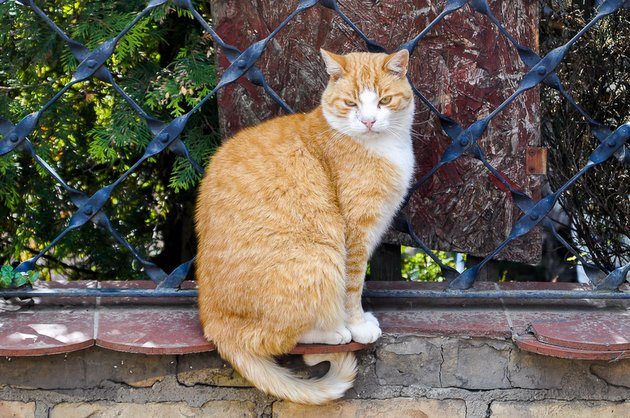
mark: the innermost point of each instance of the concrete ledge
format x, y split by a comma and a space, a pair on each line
455, 359
168, 326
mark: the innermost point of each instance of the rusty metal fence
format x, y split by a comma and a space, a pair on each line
166, 136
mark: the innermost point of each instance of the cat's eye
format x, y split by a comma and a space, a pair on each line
350, 103
386, 100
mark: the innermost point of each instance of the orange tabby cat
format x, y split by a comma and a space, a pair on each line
287, 216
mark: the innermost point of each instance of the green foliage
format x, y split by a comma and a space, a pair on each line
9, 278
91, 135
417, 266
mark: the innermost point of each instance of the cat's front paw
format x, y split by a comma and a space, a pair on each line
369, 316
339, 336
365, 331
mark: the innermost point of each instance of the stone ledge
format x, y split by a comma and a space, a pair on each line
530, 343
168, 326
144, 329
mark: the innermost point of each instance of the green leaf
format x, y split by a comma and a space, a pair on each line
20, 279
33, 276
9, 278
6, 276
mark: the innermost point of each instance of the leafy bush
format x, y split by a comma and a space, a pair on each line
91, 135
9, 278
418, 266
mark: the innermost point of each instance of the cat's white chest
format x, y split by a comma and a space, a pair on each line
399, 152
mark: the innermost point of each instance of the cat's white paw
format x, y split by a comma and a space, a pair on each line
341, 335
369, 316
367, 331
344, 335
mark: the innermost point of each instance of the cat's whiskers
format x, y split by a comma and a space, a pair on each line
398, 126
338, 134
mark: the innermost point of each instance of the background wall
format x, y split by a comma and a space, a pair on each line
464, 67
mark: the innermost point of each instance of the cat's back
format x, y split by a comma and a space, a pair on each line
265, 151
275, 136
268, 175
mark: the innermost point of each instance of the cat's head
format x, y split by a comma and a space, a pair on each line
368, 94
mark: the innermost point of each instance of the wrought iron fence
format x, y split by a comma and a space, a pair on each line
166, 136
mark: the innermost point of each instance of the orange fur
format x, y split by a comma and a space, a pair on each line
283, 217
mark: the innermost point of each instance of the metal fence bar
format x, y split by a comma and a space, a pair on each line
540, 71
389, 294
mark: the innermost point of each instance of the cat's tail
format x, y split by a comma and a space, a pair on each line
273, 379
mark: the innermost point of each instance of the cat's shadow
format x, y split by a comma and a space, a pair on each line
297, 365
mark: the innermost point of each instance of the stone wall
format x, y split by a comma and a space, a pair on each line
401, 376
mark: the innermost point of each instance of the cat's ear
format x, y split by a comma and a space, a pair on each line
397, 63
334, 64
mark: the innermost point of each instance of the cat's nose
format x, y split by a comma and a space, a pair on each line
369, 122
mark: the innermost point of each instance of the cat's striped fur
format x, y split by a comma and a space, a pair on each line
287, 216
